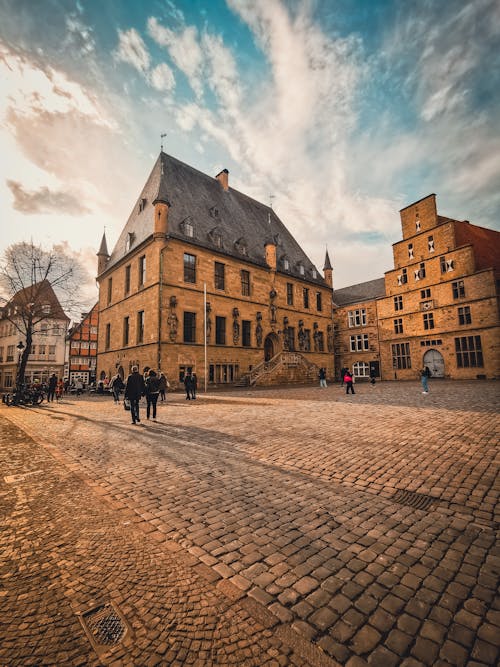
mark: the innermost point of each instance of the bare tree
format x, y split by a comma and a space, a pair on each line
30, 278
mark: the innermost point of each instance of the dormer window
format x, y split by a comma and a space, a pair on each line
241, 247
214, 212
218, 239
129, 242
302, 270
46, 308
187, 227
142, 204
314, 273
286, 264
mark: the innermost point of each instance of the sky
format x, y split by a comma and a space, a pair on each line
338, 112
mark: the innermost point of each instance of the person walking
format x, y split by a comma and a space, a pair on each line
51, 389
163, 387
424, 379
117, 386
322, 377
152, 393
194, 385
372, 377
134, 389
342, 375
348, 380
187, 385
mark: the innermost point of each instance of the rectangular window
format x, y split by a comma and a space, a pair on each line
107, 342
140, 326
290, 337
245, 282
458, 288
430, 243
359, 343
245, 333
421, 270
220, 330
10, 353
126, 330
219, 275
398, 326
289, 294
356, 318
52, 350
398, 303
425, 293
403, 277
319, 304
428, 321
189, 268
110, 290
190, 327
410, 250
127, 279
442, 264
401, 355
464, 316
305, 293
307, 340
321, 341
142, 270
469, 352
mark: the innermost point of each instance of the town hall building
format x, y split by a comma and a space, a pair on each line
205, 278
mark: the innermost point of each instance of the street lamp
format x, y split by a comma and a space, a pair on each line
20, 347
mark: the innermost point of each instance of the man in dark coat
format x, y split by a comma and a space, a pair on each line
134, 389
51, 393
188, 384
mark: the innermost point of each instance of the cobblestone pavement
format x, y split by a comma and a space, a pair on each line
289, 526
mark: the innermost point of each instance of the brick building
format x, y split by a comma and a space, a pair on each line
40, 304
438, 307
82, 348
204, 277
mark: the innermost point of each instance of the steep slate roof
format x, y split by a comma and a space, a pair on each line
372, 289
201, 199
39, 294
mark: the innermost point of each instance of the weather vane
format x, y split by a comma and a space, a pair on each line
271, 197
161, 138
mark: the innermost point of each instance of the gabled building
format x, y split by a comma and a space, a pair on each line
47, 351
438, 306
82, 348
204, 277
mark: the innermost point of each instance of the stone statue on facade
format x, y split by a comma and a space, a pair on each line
258, 329
236, 326
329, 338
172, 320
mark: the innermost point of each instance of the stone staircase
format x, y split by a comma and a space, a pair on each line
283, 368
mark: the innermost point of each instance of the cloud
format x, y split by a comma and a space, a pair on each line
45, 201
162, 78
183, 48
132, 50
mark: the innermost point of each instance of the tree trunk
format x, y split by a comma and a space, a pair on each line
24, 358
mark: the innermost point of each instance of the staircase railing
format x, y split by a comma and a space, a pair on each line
280, 359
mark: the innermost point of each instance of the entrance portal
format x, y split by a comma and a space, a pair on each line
270, 346
435, 362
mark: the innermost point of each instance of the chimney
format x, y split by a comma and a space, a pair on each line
223, 178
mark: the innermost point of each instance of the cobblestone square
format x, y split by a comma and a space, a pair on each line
286, 526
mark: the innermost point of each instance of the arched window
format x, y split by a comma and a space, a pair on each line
361, 369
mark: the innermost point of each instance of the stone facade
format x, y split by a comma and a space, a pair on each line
439, 305
263, 296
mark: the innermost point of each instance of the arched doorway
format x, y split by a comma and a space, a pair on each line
435, 363
271, 346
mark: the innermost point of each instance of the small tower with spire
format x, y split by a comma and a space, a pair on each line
102, 256
328, 271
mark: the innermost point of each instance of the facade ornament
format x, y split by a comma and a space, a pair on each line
272, 306
236, 326
316, 336
286, 336
329, 338
301, 336
172, 320
258, 329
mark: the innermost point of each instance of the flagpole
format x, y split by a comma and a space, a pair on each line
205, 330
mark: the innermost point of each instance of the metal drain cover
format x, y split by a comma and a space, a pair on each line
104, 625
418, 501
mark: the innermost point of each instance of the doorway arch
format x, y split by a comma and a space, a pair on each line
271, 346
433, 359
